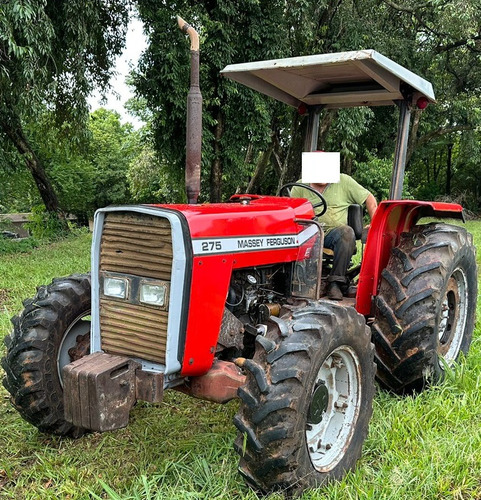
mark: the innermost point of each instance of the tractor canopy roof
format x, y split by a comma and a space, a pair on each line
340, 80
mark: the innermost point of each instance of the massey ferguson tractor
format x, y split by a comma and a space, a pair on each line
225, 300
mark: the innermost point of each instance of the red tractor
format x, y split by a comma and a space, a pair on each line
224, 300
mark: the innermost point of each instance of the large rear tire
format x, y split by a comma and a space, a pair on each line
307, 401
425, 307
51, 331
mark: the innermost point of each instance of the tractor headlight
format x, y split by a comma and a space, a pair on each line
116, 287
153, 294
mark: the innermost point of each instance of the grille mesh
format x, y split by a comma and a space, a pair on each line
139, 245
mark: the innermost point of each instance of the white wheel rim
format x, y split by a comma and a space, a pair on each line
79, 326
453, 316
327, 440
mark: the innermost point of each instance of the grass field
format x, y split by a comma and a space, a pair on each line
428, 447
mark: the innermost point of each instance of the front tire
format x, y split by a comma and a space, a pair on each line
425, 307
51, 331
307, 401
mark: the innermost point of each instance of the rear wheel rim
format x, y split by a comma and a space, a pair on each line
334, 408
453, 316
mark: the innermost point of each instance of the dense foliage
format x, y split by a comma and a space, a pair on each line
262, 142
229, 32
53, 53
86, 176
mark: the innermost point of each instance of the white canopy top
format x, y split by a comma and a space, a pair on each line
340, 80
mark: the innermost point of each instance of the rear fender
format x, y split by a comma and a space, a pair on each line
390, 220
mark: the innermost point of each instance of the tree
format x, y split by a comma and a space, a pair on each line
230, 32
54, 52
151, 181
89, 174
18, 192
113, 146
245, 134
441, 41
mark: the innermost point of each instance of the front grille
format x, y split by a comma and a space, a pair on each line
133, 330
139, 245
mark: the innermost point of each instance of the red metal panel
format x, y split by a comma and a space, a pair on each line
210, 283
211, 274
260, 215
390, 220
272, 216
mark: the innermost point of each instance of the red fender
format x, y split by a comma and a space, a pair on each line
390, 220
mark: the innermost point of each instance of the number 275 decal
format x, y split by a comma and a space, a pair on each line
209, 246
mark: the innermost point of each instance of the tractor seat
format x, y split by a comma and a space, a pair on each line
354, 219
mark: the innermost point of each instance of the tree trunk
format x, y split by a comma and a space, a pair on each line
437, 165
261, 166
45, 188
217, 167
325, 126
413, 135
277, 152
448, 169
347, 166
249, 154
291, 167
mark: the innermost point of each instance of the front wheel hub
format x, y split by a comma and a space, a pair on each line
334, 408
319, 403
75, 342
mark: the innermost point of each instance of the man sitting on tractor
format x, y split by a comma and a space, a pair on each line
338, 236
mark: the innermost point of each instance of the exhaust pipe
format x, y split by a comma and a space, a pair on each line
194, 118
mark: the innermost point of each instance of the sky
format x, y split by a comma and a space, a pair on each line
135, 44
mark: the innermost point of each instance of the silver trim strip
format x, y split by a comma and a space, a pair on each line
212, 246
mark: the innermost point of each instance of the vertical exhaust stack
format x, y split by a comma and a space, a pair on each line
194, 118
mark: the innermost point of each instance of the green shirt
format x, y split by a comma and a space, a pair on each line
338, 197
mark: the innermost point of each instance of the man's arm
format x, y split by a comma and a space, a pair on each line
371, 205
358, 194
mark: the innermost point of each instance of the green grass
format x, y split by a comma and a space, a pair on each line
8, 246
428, 447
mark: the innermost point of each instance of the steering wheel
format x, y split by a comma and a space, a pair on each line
322, 203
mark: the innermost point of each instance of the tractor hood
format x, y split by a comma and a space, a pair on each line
244, 215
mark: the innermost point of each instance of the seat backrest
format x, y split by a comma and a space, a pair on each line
354, 219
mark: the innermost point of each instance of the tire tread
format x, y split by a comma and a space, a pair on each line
30, 369
404, 331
